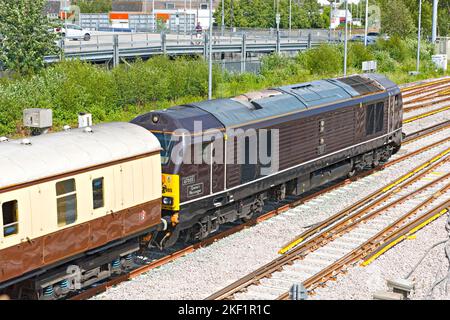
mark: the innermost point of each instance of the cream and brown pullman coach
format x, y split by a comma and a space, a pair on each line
74, 205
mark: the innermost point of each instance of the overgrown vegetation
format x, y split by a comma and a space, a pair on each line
128, 90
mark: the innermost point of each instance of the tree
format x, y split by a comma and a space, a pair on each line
396, 18
26, 39
261, 14
93, 6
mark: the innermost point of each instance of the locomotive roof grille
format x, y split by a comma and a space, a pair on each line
361, 85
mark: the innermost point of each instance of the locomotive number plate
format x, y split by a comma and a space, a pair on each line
195, 190
188, 180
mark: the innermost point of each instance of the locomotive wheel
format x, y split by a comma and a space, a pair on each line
255, 208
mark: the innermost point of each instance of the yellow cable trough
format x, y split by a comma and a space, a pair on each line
403, 237
387, 188
424, 115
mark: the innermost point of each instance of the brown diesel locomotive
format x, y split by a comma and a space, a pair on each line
313, 133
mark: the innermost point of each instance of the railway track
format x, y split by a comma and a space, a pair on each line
426, 95
178, 252
360, 231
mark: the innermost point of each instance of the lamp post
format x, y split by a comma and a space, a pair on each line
185, 18
345, 38
290, 16
418, 37
331, 17
223, 17
277, 16
434, 26
153, 15
366, 29
210, 51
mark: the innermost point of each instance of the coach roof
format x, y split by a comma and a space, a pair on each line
53, 154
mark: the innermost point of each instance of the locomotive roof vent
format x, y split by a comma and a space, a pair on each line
250, 100
4, 139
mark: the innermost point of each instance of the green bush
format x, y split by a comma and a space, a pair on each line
385, 63
357, 54
397, 48
73, 86
323, 60
131, 89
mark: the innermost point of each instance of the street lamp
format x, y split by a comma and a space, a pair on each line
331, 17
223, 16
210, 51
277, 16
418, 37
367, 23
290, 16
345, 38
153, 15
434, 24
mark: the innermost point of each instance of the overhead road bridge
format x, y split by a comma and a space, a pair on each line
125, 46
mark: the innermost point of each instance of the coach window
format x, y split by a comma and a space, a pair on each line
97, 193
66, 198
10, 215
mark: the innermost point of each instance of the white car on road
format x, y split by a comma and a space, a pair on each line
73, 31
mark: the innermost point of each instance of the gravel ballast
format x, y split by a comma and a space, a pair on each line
363, 282
209, 269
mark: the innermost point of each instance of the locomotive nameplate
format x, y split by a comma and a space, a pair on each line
189, 180
195, 190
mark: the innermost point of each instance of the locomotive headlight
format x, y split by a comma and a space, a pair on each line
167, 201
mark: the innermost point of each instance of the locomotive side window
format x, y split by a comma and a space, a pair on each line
66, 200
10, 218
97, 193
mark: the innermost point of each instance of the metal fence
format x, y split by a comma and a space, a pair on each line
117, 47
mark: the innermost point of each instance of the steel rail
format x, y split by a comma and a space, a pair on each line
320, 239
425, 105
389, 236
412, 90
366, 200
426, 132
90, 292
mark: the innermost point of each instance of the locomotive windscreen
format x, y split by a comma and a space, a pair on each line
166, 144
